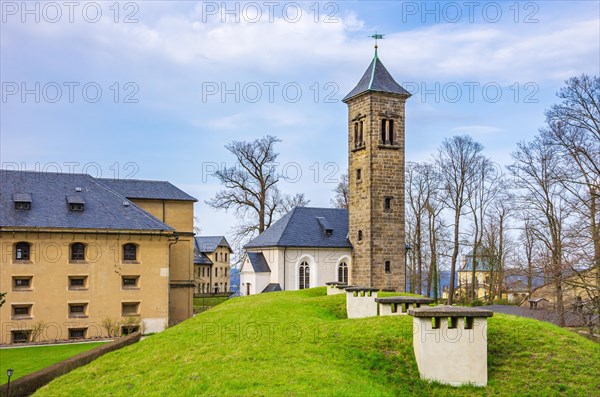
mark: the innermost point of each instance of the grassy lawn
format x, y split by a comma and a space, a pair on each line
301, 344
25, 360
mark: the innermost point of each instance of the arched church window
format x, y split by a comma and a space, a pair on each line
343, 273
356, 138
360, 235
388, 267
304, 276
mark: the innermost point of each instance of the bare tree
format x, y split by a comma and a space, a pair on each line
457, 160
480, 195
289, 202
496, 238
341, 191
574, 128
544, 201
250, 186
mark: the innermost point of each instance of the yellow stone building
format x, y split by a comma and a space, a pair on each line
212, 263
83, 257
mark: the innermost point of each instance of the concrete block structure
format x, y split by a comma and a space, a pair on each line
336, 288
360, 302
399, 305
450, 344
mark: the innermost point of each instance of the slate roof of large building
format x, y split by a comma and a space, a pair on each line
301, 227
210, 243
50, 193
258, 262
376, 78
150, 190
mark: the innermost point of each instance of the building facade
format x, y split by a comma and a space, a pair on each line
212, 262
84, 257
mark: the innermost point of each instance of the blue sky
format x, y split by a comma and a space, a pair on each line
155, 89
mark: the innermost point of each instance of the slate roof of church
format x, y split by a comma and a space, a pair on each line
210, 243
149, 190
258, 262
273, 287
301, 228
376, 78
50, 193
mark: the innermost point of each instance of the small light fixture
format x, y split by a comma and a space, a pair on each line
9, 373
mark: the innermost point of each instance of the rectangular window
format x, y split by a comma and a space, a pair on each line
20, 336
22, 311
77, 282
130, 308
21, 282
216, 271
130, 281
77, 333
78, 310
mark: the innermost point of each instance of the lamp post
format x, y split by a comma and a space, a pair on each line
9, 373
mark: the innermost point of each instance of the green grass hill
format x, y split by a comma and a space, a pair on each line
301, 344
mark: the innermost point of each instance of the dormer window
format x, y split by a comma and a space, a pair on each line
76, 203
325, 226
22, 201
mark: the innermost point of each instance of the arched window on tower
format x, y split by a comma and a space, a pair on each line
388, 267
360, 235
343, 273
304, 276
360, 134
387, 131
356, 137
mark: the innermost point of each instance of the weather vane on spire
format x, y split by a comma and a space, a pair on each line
377, 36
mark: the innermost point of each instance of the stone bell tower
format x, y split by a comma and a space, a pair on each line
376, 179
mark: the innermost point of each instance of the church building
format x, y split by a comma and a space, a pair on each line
363, 245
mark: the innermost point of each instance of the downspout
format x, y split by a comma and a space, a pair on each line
176, 235
284, 267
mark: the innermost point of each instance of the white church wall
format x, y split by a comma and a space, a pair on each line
323, 263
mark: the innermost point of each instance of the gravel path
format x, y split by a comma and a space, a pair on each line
548, 315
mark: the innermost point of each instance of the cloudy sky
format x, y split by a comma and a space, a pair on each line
155, 89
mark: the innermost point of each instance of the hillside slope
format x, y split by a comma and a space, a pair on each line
300, 344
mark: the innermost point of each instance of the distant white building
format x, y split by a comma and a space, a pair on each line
306, 248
